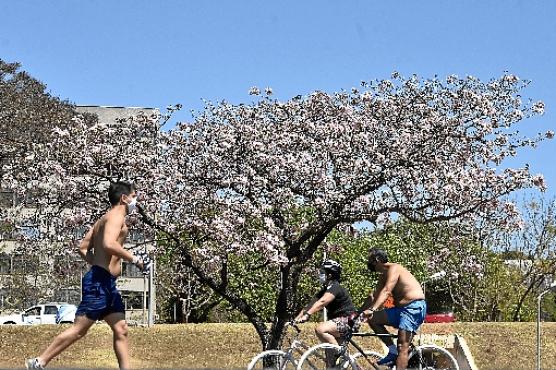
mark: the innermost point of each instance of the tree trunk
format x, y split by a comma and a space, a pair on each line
517, 311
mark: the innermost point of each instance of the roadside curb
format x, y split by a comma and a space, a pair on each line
463, 354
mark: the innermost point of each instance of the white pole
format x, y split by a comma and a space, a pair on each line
324, 310
144, 299
152, 295
539, 301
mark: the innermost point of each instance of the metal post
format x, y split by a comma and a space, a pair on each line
152, 295
144, 300
324, 310
539, 301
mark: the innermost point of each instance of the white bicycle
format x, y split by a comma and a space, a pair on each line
327, 356
275, 359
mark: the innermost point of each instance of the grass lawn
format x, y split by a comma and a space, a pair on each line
231, 346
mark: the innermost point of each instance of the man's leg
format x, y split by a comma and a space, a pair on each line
66, 339
117, 322
404, 340
377, 323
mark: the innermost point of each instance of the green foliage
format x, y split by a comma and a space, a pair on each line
478, 285
549, 307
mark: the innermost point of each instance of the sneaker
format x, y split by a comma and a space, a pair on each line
389, 359
33, 363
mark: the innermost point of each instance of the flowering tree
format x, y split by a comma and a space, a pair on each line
533, 248
270, 180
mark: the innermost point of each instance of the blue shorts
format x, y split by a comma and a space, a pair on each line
408, 317
100, 296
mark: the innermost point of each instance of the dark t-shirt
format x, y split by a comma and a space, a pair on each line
341, 305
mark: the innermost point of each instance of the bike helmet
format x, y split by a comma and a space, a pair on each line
332, 267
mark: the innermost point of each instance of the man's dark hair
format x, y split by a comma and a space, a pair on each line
378, 254
117, 189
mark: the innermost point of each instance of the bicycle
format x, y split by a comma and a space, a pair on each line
276, 359
329, 356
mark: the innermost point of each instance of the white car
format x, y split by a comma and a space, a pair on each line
48, 313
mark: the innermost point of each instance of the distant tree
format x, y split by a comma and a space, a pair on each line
532, 250
180, 292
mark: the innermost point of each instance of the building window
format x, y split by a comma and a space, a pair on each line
5, 263
25, 264
130, 270
30, 232
136, 236
6, 231
134, 300
68, 295
29, 198
6, 199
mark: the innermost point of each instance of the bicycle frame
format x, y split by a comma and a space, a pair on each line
296, 344
360, 350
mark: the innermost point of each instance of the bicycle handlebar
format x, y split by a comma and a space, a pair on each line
293, 324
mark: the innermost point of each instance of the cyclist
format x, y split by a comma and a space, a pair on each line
409, 308
337, 301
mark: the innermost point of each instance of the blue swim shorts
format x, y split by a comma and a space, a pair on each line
100, 295
408, 317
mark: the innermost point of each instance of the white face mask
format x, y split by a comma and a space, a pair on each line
132, 205
322, 278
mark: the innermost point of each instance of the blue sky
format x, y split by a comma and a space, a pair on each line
155, 53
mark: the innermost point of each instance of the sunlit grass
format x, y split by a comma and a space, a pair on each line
231, 346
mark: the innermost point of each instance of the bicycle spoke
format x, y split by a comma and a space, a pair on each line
367, 361
435, 358
273, 361
323, 359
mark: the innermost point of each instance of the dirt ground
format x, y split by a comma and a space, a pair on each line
231, 346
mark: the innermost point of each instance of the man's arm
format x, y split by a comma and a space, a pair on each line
392, 276
112, 230
372, 297
85, 246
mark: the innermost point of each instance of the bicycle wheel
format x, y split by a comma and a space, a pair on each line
367, 362
271, 360
324, 356
433, 358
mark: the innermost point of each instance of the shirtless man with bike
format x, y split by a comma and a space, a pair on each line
409, 308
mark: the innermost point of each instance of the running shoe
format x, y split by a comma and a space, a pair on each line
33, 363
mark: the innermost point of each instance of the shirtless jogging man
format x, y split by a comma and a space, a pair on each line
409, 308
102, 248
